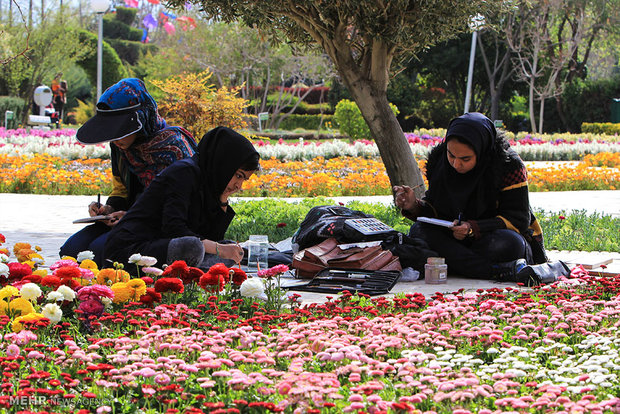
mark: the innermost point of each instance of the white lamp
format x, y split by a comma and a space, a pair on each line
475, 24
99, 7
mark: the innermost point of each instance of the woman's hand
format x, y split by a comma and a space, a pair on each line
404, 197
231, 251
96, 209
461, 231
114, 218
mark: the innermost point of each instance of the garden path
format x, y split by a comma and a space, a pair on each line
46, 221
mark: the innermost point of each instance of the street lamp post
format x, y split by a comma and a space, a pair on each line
99, 7
476, 24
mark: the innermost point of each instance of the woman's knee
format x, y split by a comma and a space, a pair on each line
506, 246
188, 248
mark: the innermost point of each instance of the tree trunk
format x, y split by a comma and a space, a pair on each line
541, 115
400, 165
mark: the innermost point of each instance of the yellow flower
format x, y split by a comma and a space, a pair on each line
137, 288
23, 255
111, 276
89, 264
19, 246
8, 291
68, 258
40, 272
18, 307
122, 293
18, 323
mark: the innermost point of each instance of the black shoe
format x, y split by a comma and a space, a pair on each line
516, 271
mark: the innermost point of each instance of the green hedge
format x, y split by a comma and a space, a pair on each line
607, 128
11, 103
309, 122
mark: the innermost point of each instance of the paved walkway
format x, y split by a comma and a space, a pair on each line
46, 221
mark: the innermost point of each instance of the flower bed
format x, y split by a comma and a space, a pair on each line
342, 176
565, 147
215, 351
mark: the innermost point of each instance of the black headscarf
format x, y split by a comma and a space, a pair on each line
474, 193
221, 152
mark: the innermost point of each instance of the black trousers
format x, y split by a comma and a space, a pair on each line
470, 257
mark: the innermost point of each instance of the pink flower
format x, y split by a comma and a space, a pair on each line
162, 379
95, 291
273, 271
63, 263
91, 306
12, 350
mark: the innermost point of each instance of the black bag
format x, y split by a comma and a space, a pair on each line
324, 222
411, 251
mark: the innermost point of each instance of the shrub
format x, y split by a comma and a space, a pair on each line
600, 128
11, 103
349, 120
194, 103
82, 113
309, 122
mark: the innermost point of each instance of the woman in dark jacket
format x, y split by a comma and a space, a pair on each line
141, 146
184, 213
477, 182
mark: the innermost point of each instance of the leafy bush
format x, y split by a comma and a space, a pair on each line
574, 230
601, 128
114, 69
309, 122
82, 113
11, 103
194, 103
349, 120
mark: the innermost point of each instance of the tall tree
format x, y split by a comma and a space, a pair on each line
363, 38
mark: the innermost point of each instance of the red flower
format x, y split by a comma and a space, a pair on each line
212, 282
18, 270
2, 238
32, 278
193, 275
147, 279
151, 296
68, 272
169, 284
280, 225
238, 276
562, 218
178, 269
220, 269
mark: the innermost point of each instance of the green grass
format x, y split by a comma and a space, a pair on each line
575, 230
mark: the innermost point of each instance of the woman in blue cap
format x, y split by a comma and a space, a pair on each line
477, 182
141, 144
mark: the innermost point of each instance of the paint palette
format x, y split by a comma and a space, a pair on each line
368, 226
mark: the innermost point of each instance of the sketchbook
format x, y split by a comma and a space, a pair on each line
437, 222
91, 219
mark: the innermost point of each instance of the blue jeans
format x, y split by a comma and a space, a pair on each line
91, 238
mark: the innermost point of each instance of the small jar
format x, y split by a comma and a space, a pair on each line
435, 271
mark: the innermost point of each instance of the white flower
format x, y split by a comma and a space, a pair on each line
135, 258
30, 291
86, 254
52, 312
4, 258
4, 270
152, 271
67, 292
106, 301
55, 296
146, 261
252, 288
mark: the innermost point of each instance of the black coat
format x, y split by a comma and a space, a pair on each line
174, 206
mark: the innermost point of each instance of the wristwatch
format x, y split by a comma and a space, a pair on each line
470, 233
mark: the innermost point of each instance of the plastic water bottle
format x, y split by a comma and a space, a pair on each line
258, 253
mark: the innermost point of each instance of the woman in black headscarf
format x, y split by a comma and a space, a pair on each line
479, 183
184, 213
